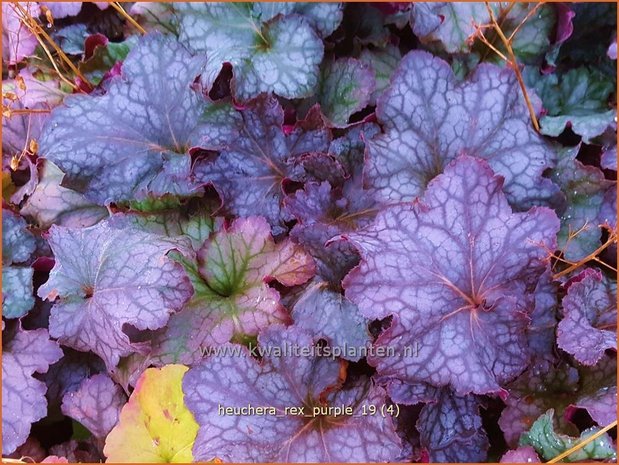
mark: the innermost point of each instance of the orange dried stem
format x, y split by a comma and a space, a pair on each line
51, 59
38, 31
512, 62
591, 257
489, 44
27, 111
525, 19
118, 7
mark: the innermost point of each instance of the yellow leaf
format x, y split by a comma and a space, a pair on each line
155, 426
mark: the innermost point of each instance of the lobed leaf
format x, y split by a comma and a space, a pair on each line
232, 298
463, 287
589, 321
344, 88
271, 49
104, 279
134, 140
327, 314
550, 444
450, 429
96, 404
280, 382
429, 119
23, 396
257, 157
585, 189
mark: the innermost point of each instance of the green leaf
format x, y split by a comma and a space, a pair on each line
451, 26
584, 187
232, 297
550, 444
383, 62
578, 98
155, 425
270, 49
104, 58
17, 298
532, 40
345, 87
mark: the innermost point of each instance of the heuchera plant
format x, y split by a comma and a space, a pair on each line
309, 232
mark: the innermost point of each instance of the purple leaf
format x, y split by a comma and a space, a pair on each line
541, 330
608, 160
457, 270
105, 279
323, 212
257, 156
289, 381
31, 91
589, 323
429, 119
601, 406
608, 212
327, 314
564, 22
79, 452
63, 9
68, 373
598, 392
134, 140
541, 387
18, 243
350, 148
23, 397
17, 40
95, 404
523, 454
232, 298
324, 17
450, 429
21, 126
